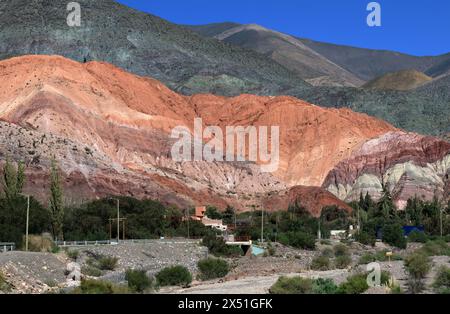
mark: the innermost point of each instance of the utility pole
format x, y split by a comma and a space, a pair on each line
28, 223
319, 233
276, 223
188, 218
262, 225
123, 229
358, 218
118, 221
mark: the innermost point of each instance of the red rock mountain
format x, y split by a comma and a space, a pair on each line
110, 132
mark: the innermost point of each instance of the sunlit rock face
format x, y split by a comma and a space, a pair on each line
408, 164
111, 133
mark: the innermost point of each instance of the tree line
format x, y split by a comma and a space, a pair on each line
147, 218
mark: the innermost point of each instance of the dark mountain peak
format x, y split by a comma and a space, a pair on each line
140, 43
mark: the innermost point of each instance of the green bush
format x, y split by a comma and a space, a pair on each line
4, 285
442, 281
367, 258
213, 213
355, 284
295, 285
396, 290
13, 219
379, 256
417, 265
138, 280
298, 239
270, 249
99, 287
417, 236
174, 276
436, 248
39, 243
211, 268
343, 261
328, 252
415, 285
72, 254
320, 263
218, 247
324, 286
299, 285
385, 278
107, 263
365, 238
393, 235
340, 250
91, 271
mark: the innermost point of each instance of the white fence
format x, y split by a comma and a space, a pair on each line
5, 247
83, 243
114, 242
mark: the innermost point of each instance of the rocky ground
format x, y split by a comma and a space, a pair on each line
151, 256
46, 272
32, 272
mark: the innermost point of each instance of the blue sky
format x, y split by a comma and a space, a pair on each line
410, 26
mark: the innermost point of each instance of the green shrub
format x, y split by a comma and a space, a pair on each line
299, 285
343, 261
91, 271
379, 256
418, 265
39, 243
340, 250
270, 249
295, 285
138, 280
385, 278
320, 263
367, 258
107, 263
211, 268
442, 281
415, 285
365, 238
328, 252
396, 290
72, 254
393, 235
325, 242
436, 248
355, 284
4, 285
99, 287
324, 286
51, 283
218, 247
298, 239
417, 236
174, 276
